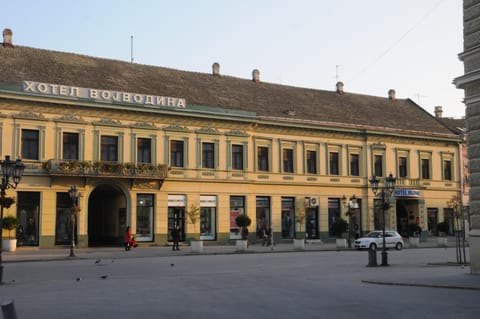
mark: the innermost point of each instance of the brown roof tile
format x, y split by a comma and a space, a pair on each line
266, 99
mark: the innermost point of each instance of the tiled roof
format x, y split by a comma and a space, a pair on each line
266, 99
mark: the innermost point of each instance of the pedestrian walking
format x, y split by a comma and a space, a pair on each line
175, 237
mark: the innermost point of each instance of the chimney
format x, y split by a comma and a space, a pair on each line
216, 69
391, 94
7, 38
439, 111
339, 86
256, 76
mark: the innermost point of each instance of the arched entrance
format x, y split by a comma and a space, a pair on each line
107, 216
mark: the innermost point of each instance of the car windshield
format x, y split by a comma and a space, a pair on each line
374, 235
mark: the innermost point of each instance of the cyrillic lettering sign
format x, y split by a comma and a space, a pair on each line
105, 96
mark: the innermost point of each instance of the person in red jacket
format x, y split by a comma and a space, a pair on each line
129, 239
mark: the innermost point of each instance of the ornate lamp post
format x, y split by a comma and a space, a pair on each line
13, 170
352, 204
74, 194
385, 194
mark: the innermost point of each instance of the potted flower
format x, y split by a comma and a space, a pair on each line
243, 221
339, 228
9, 223
193, 214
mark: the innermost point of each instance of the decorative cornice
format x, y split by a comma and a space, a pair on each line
467, 78
108, 122
207, 130
69, 118
143, 125
29, 116
237, 133
176, 128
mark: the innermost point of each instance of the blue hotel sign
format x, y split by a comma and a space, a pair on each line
406, 193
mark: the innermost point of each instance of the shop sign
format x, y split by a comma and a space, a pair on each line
406, 193
105, 96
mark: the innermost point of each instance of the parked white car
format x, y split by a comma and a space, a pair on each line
374, 240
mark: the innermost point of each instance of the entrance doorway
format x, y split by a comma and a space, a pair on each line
107, 216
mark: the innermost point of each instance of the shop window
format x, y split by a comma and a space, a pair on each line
28, 214
70, 146
288, 217
109, 148
208, 217
176, 153
237, 207
262, 214
333, 213
63, 220
311, 162
176, 215
144, 150
30, 144
144, 231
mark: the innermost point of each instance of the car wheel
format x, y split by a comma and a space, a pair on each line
398, 246
373, 246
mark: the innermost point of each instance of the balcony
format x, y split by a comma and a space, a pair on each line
106, 169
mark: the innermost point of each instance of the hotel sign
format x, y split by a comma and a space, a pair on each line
105, 96
406, 193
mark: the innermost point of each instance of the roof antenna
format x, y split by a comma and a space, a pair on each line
131, 48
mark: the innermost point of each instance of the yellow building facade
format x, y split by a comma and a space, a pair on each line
143, 157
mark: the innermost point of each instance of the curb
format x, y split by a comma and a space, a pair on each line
418, 285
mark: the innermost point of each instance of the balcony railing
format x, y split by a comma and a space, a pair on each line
112, 169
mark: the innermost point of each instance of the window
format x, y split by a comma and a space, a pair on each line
288, 160
447, 170
208, 155
354, 165
109, 148
425, 168
144, 150
402, 167
176, 154
237, 157
334, 164
70, 146
263, 159
311, 162
237, 207
144, 217
30, 142
208, 216
378, 165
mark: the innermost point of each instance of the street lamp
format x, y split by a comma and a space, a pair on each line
74, 194
13, 170
385, 194
352, 204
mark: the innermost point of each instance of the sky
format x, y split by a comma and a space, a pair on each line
372, 46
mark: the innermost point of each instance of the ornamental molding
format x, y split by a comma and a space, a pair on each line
69, 118
29, 116
143, 125
176, 128
207, 130
108, 122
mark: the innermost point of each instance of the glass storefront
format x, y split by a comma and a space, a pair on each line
176, 215
262, 214
144, 230
208, 213
333, 213
237, 207
63, 222
28, 214
311, 223
288, 217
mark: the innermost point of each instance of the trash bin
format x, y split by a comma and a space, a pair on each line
372, 258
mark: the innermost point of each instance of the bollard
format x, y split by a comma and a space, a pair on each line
372, 258
8, 310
